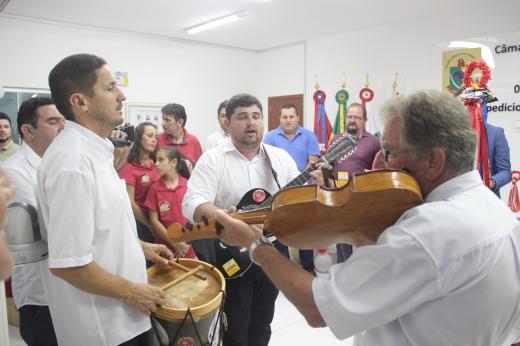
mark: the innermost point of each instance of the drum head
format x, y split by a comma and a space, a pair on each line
202, 297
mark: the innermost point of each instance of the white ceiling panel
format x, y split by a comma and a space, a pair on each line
268, 23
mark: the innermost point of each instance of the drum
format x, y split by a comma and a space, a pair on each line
193, 313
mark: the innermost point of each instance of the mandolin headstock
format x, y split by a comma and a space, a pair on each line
193, 231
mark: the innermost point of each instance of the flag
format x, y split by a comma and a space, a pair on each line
339, 123
476, 95
322, 126
374, 125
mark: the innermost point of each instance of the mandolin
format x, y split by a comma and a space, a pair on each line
310, 216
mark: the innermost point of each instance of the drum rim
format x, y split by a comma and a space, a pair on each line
201, 311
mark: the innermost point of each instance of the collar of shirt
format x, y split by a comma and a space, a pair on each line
223, 133
140, 165
279, 131
102, 146
184, 139
454, 186
229, 146
31, 157
161, 185
8, 145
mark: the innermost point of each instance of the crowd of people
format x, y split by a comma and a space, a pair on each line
446, 273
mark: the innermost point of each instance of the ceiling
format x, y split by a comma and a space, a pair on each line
268, 24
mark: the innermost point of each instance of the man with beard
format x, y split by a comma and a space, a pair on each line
7, 146
220, 179
361, 159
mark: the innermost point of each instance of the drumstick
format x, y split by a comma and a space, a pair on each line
186, 269
180, 278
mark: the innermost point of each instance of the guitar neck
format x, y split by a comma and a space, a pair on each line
208, 228
341, 147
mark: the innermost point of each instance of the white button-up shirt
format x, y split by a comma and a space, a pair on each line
216, 139
26, 280
223, 175
447, 273
87, 216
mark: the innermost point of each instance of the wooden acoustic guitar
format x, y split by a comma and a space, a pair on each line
310, 217
233, 261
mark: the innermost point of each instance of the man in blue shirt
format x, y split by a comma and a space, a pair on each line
303, 147
298, 141
499, 161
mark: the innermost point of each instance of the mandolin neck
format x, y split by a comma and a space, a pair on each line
208, 229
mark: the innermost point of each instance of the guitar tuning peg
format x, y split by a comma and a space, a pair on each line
189, 226
205, 220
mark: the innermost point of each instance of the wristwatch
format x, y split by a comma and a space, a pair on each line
254, 245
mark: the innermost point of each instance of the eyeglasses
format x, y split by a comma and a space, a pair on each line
387, 152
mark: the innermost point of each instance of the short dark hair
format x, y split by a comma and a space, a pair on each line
241, 100
363, 108
133, 155
75, 73
289, 106
220, 106
6, 117
176, 110
28, 112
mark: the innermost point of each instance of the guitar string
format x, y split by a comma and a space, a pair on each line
334, 152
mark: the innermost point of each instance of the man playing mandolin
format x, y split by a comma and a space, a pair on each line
446, 273
220, 179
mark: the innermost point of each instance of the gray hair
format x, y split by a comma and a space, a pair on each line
434, 119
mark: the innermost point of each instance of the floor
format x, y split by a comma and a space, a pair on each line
289, 328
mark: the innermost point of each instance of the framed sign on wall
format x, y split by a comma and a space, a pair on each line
138, 112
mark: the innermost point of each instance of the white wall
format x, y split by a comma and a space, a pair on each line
412, 49
281, 71
200, 76
160, 70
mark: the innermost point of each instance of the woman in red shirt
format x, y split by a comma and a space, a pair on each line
139, 173
164, 199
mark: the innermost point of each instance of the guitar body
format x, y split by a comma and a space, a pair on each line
233, 261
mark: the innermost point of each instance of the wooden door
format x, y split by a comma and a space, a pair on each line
275, 103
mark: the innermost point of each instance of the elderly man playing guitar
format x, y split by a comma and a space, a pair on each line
446, 273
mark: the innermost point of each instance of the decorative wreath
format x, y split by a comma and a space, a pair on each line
342, 96
366, 95
486, 74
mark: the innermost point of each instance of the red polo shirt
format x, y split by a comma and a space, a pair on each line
167, 202
189, 146
142, 178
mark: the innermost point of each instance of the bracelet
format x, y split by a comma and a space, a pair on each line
254, 245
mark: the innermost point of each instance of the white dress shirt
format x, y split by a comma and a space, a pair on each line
216, 139
447, 273
26, 280
86, 213
223, 175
